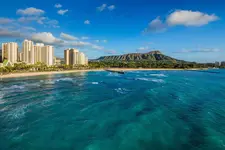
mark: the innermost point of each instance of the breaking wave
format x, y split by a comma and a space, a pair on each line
95, 83
64, 79
152, 80
122, 90
158, 75
14, 87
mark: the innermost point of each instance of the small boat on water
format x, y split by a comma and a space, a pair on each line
115, 71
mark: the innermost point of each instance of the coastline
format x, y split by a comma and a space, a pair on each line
29, 74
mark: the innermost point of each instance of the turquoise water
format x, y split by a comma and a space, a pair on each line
141, 110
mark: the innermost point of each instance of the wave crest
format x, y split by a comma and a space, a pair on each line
122, 90
158, 75
152, 80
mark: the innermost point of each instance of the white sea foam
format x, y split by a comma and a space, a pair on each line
122, 90
152, 80
1, 98
33, 85
13, 87
133, 71
47, 101
144, 79
158, 80
158, 75
49, 82
1, 95
64, 79
18, 112
94, 83
110, 74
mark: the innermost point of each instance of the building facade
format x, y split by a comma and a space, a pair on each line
20, 56
38, 48
66, 57
81, 59
28, 51
47, 55
10, 52
74, 57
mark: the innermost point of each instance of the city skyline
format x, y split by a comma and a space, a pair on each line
32, 53
187, 30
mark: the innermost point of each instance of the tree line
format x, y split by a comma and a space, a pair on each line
150, 64
40, 67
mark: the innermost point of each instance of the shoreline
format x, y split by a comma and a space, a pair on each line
30, 74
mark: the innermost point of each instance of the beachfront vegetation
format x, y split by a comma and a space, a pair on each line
38, 67
149, 64
41, 67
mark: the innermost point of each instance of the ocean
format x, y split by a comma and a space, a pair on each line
141, 110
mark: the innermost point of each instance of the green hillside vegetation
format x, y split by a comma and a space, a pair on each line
153, 59
150, 56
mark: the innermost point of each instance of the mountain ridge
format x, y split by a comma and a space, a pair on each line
155, 55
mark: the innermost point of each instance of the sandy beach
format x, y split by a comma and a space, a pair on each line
28, 74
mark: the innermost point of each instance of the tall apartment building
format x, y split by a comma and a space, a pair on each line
20, 56
81, 59
74, 57
28, 51
37, 53
47, 55
10, 51
38, 48
67, 56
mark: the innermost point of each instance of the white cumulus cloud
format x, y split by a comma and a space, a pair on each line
10, 33
68, 37
190, 18
45, 37
58, 5
29, 28
200, 50
62, 11
5, 20
102, 7
87, 22
155, 25
112, 7
31, 11
84, 38
181, 17
28, 19
97, 47
143, 49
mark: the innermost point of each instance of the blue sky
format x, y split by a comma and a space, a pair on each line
192, 30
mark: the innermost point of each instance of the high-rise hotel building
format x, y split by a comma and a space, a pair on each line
30, 54
44, 54
38, 48
47, 55
10, 51
28, 51
74, 57
37, 53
